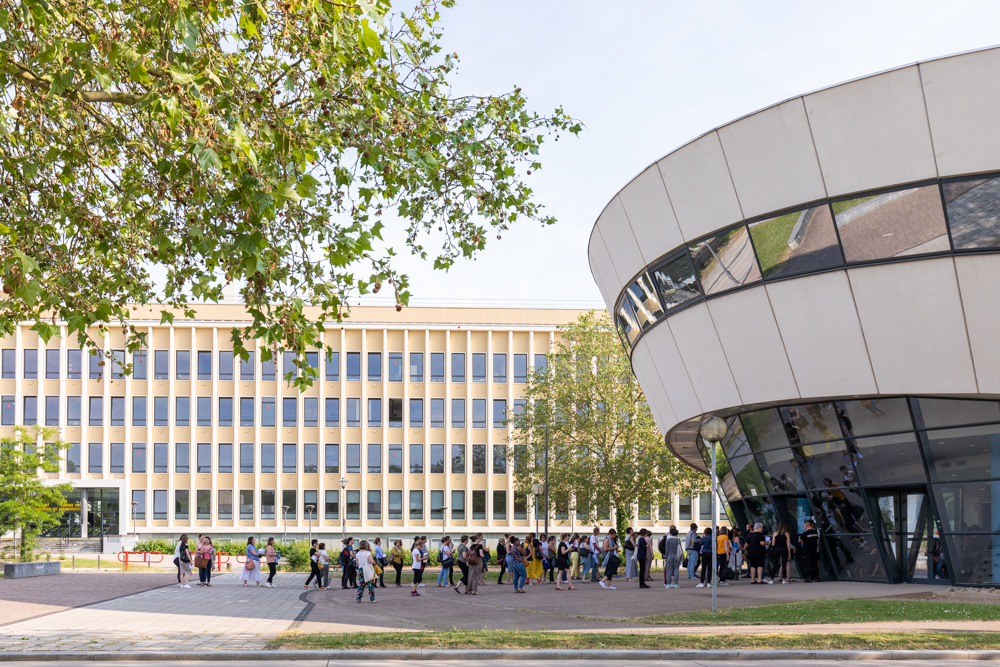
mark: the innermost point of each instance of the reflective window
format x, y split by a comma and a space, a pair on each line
973, 213
353, 366
458, 367
781, 470
973, 558
437, 413
725, 261
813, 422
520, 368
310, 458
478, 367
416, 366
875, 415
437, 458
138, 411
416, 504
894, 224
968, 507
374, 458
246, 504
267, 459
374, 366
627, 322
331, 459
396, 459
416, 459
962, 453
247, 373
645, 302
267, 374
395, 367
353, 455
676, 282
333, 366
225, 365
764, 429
937, 412
855, 556
889, 459
437, 366
796, 242
826, 465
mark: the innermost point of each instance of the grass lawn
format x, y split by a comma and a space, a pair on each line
496, 639
832, 611
770, 240
841, 206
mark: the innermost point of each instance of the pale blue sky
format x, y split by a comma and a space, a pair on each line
646, 77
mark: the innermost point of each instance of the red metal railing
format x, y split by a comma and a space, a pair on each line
139, 557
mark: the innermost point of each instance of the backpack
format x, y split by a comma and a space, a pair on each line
472, 556
662, 544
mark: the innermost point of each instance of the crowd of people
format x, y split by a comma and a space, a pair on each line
536, 560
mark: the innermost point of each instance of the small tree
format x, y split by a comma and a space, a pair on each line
605, 452
27, 503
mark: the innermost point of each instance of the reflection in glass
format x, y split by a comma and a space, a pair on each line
761, 510
747, 476
826, 465
843, 509
764, 429
628, 323
962, 453
676, 282
794, 511
781, 471
937, 412
889, 459
973, 213
796, 243
894, 224
645, 303
872, 416
856, 557
969, 507
974, 559
725, 261
813, 422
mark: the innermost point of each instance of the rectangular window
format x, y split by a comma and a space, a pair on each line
73, 463
332, 508
663, 511
160, 457
458, 505
267, 413
437, 459
354, 367
204, 411
479, 505
458, 366
139, 503
684, 509
247, 373
437, 502
267, 504
95, 455
225, 367
138, 457
374, 458
374, 366
519, 406
246, 457
288, 506
705, 505
225, 504
312, 361
333, 367
182, 365
73, 409
437, 366
160, 411
204, 365
246, 504
138, 411
117, 463
267, 458
204, 504
353, 415
95, 415
310, 412
182, 411
246, 412
117, 410
500, 368
31, 364
541, 363
309, 504
437, 413
139, 364
353, 501
182, 503
395, 413
160, 501
267, 374
289, 371
416, 366
396, 459
374, 504
416, 459
30, 414
225, 457
520, 506
479, 413
353, 462
332, 416
375, 412
310, 457
458, 413
289, 412
520, 368
395, 367
205, 457
118, 364
416, 505
416, 413
499, 459
51, 364
74, 364
478, 367
458, 459
9, 364
499, 413
9, 410
288, 458
479, 460
395, 505
331, 459
182, 457
226, 411
161, 365
499, 505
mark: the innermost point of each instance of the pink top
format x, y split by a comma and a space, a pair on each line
270, 555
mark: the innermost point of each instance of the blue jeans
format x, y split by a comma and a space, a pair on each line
595, 565
692, 563
443, 577
520, 575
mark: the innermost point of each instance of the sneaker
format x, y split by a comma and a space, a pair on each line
186, 586
603, 585
612, 588
421, 585
769, 581
414, 594
708, 585
667, 586
700, 585
677, 585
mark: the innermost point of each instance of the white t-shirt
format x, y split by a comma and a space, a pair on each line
177, 550
417, 559
446, 551
595, 544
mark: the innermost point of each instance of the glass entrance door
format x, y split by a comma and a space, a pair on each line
906, 528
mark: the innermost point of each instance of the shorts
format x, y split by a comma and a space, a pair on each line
418, 576
755, 561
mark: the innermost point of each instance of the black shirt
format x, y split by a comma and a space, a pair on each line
810, 540
640, 550
755, 544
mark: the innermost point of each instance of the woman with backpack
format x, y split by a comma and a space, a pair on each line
346, 560
447, 560
366, 570
463, 565
562, 562
673, 554
475, 557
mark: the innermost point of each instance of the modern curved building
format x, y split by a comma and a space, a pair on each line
824, 275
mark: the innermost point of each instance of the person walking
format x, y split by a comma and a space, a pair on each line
204, 560
691, 551
271, 558
397, 561
534, 564
723, 549
502, 556
809, 539
425, 550
563, 562
631, 566
611, 559
595, 555
463, 565
346, 560
643, 549
380, 559
323, 560
418, 567
182, 556
447, 560
516, 553
756, 553
314, 566
251, 569
475, 557
574, 556
366, 570
705, 548
673, 554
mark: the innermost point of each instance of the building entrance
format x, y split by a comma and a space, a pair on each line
908, 533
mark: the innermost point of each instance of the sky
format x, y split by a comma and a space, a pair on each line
645, 78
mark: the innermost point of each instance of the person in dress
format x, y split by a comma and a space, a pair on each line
366, 570
251, 570
631, 565
533, 561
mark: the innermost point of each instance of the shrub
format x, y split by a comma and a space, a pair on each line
163, 546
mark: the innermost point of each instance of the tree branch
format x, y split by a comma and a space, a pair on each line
87, 96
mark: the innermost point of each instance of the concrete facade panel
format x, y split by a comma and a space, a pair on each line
978, 277
672, 372
704, 357
619, 241
652, 387
650, 214
604, 270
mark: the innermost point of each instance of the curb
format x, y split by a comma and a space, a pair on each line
491, 654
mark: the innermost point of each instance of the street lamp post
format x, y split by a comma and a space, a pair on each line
572, 520
284, 522
536, 490
309, 511
343, 481
444, 519
712, 431
135, 507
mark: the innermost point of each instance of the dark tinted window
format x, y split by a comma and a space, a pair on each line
31, 364
968, 507
764, 429
876, 415
962, 453
937, 412
889, 459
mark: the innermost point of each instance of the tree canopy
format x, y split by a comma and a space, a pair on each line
605, 451
259, 143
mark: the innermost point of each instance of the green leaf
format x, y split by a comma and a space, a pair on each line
166, 317
287, 192
188, 29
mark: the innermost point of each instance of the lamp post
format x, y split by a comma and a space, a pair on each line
444, 519
536, 490
712, 431
572, 520
135, 507
343, 481
284, 522
309, 511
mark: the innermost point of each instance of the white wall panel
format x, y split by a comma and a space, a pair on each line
652, 387
872, 132
619, 241
772, 160
963, 95
604, 271
700, 188
822, 334
699, 345
913, 325
672, 372
753, 346
978, 277
650, 214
